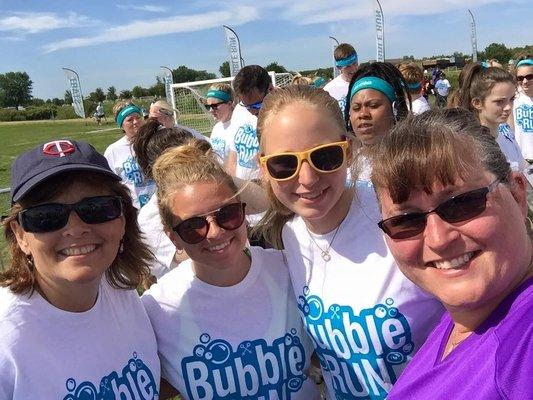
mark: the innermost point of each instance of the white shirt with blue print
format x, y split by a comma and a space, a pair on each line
240, 342
221, 137
245, 143
365, 318
338, 89
523, 123
122, 162
108, 352
510, 148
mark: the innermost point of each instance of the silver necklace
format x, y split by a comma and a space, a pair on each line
324, 253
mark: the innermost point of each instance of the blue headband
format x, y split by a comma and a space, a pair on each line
219, 94
484, 64
414, 86
344, 62
371, 82
128, 110
527, 61
319, 82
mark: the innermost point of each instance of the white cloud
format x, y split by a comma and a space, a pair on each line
162, 26
147, 8
35, 22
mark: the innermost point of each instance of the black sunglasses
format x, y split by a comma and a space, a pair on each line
53, 216
214, 106
457, 209
527, 77
193, 230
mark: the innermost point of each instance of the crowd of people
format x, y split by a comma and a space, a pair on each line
332, 240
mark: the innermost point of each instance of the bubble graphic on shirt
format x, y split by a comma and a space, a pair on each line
306, 290
199, 351
395, 357
389, 302
71, 384
380, 311
220, 351
407, 348
205, 338
315, 308
393, 312
294, 384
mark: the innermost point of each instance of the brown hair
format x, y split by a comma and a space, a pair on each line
438, 146
343, 50
185, 165
412, 74
152, 140
251, 77
277, 214
129, 267
478, 81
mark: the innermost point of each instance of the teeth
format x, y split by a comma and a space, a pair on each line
310, 196
76, 251
218, 246
454, 263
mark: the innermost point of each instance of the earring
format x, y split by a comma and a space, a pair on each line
121, 246
29, 260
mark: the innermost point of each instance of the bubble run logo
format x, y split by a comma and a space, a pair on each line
358, 353
524, 117
136, 383
247, 146
254, 370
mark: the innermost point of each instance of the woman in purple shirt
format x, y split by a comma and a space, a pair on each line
454, 215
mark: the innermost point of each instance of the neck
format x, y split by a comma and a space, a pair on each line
71, 297
346, 78
223, 275
335, 217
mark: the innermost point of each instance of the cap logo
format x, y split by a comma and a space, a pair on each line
58, 148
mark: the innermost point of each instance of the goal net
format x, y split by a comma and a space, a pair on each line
188, 99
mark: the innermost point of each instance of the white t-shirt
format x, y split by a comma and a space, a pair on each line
122, 162
245, 143
443, 87
523, 123
221, 137
420, 105
510, 148
243, 341
193, 132
338, 89
108, 352
366, 318
161, 246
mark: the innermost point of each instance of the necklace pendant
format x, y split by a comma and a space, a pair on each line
325, 256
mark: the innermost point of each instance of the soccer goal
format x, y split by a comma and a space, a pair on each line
188, 98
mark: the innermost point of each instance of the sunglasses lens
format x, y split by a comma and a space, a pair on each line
282, 166
464, 207
328, 158
44, 218
97, 210
404, 226
192, 230
230, 217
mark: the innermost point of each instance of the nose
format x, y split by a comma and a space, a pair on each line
307, 175
439, 234
75, 226
214, 230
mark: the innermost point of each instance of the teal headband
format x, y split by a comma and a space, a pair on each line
125, 112
371, 82
344, 62
319, 82
219, 94
527, 61
414, 86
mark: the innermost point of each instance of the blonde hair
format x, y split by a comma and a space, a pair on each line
277, 215
185, 165
412, 74
224, 87
119, 105
301, 80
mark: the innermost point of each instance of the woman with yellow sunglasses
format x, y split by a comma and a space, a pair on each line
365, 318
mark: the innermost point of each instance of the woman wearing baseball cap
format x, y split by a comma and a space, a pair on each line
71, 324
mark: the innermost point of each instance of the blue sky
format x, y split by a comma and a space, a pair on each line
123, 43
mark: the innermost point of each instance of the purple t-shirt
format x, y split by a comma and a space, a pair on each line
494, 362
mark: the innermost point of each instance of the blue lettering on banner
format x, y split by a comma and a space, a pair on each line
524, 117
253, 371
359, 353
247, 146
135, 383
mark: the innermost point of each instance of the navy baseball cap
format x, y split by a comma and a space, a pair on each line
52, 158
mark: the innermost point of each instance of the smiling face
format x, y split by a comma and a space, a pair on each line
497, 105
78, 253
371, 116
221, 249
470, 264
349, 71
525, 84
313, 195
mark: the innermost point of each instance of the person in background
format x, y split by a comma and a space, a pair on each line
71, 321
414, 77
347, 62
228, 310
442, 89
99, 114
523, 107
122, 159
301, 80
164, 113
490, 93
454, 215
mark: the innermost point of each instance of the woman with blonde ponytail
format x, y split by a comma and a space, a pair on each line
226, 323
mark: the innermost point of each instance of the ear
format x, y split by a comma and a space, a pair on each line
518, 188
173, 236
477, 104
21, 236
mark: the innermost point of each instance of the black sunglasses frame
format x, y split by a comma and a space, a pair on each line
206, 223
215, 106
443, 210
62, 213
520, 78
